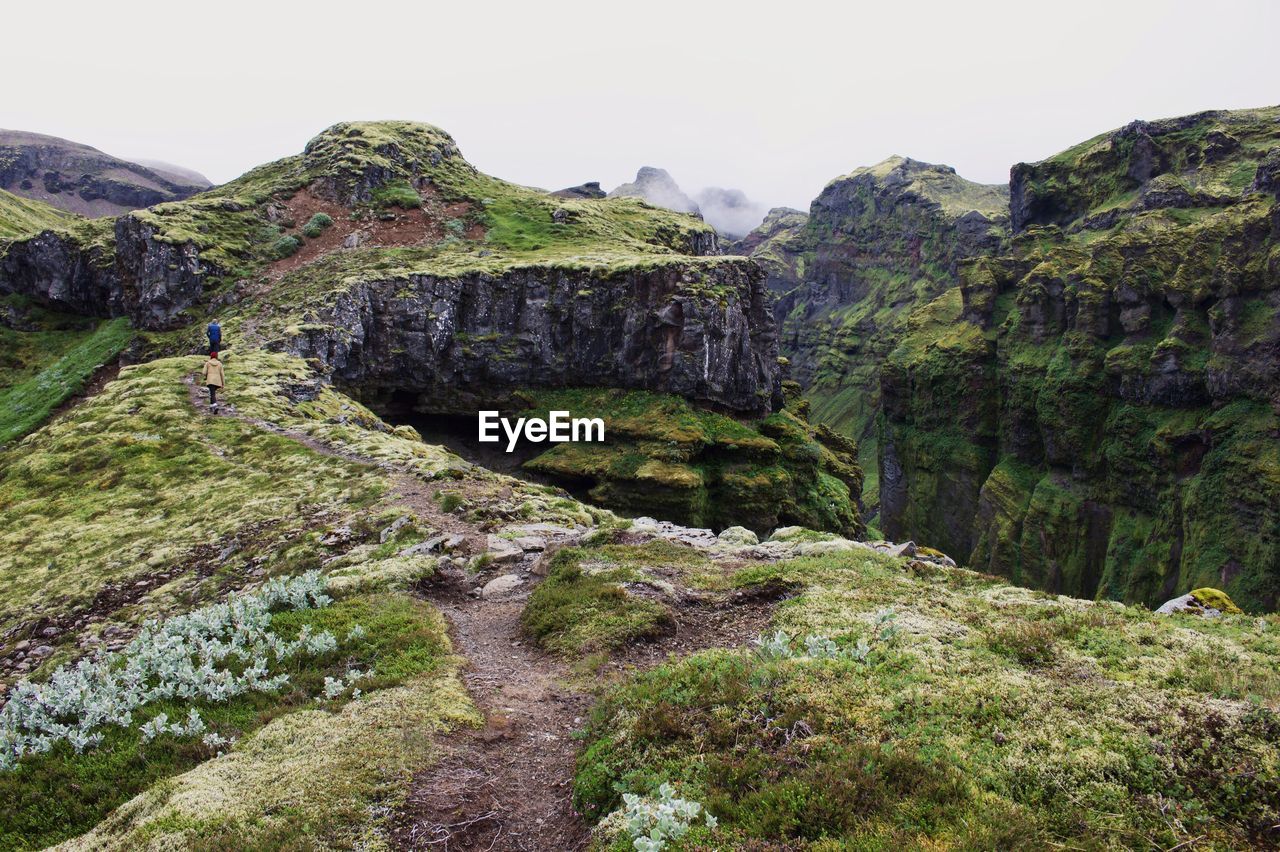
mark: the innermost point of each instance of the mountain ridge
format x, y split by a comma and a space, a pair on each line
83, 180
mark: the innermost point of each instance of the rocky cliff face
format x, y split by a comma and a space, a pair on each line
876, 243
83, 180
590, 189
1095, 410
421, 247
123, 271
700, 329
777, 245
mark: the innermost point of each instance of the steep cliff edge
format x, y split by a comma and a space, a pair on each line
877, 243
1095, 411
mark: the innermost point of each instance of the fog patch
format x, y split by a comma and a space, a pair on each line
729, 211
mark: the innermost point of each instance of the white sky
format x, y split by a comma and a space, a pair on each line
774, 99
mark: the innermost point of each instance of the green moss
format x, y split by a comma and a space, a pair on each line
1215, 598
582, 605
963, 730
397, 194
52, 366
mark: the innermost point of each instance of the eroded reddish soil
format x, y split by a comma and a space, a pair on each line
389, 227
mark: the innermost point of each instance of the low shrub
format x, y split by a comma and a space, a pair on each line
286, 246
574, 611
316, 225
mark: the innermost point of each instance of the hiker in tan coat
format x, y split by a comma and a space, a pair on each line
213, 378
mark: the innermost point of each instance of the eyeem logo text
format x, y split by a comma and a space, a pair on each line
557, 429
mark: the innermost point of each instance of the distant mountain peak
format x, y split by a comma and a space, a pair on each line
81, 179
657, 187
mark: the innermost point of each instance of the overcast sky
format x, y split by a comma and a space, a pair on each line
775, 99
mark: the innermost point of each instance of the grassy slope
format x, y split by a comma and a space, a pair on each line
993, 717
20, 216
133, 482
50, 368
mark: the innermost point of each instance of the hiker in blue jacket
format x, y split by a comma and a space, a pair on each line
215, 336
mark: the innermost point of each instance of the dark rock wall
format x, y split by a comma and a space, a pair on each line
1097, 411
472, 339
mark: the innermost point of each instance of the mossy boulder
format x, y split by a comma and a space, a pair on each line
1206, 602
669, 459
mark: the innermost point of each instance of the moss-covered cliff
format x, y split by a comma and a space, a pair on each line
1095, 411
876, 243
663, 457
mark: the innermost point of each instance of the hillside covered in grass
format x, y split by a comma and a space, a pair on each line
897, 704
137, 511
19, 216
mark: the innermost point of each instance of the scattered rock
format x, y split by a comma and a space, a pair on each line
530, 542
503, 585
738, 537
396, 525
441, 543
501, 550
906, 548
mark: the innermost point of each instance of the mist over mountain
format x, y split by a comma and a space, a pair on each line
729, 211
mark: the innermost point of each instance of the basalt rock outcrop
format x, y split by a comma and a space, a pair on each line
701, 329
1096, 410
876, 244
83, 180
590, 189
128, 272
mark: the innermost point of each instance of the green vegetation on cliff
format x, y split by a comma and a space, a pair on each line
664, 457
1117, 400
46, 358
877, 243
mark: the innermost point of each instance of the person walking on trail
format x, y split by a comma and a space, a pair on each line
215, 336
213, 378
